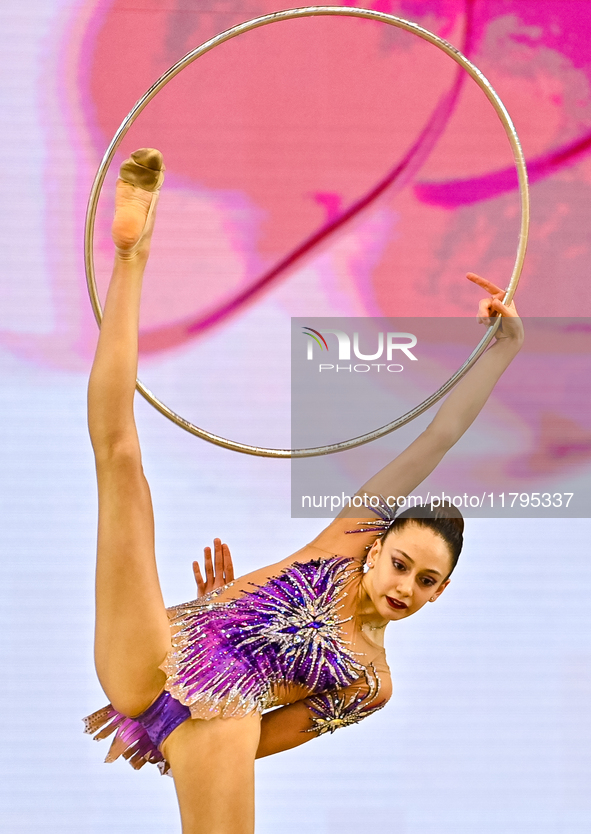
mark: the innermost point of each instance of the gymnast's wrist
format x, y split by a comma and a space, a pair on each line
510, 343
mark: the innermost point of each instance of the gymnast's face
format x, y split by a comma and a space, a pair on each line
409, 568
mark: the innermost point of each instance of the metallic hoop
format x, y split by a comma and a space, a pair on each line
255, 23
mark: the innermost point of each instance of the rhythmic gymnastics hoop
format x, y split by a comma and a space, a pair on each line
255, 23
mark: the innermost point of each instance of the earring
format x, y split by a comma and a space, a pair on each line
432, 599
367, 566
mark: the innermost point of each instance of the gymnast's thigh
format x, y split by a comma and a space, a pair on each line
212, 764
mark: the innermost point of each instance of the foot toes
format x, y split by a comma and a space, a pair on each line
150, 158
144, 169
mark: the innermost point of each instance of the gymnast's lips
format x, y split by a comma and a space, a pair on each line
396, 604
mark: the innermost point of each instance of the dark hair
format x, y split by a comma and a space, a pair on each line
446, 521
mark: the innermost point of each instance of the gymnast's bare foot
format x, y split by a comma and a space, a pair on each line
136, 197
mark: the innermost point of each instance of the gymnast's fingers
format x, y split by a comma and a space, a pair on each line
209, 576
198, 579
485, 310
486, 285
219, 563
228, 566
504, 309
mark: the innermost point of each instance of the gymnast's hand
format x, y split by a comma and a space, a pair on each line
511, 328
218, 572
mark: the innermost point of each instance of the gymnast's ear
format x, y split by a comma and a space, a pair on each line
376, 546
435, 596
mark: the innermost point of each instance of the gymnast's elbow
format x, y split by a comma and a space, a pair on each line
440, 437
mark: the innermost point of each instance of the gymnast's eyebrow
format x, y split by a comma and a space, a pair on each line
402, 553
412, 561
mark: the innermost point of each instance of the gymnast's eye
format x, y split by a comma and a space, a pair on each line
398, 565
427, 580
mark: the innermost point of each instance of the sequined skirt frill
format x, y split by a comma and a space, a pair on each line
138, 739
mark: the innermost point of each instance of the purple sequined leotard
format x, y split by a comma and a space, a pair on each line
255, 645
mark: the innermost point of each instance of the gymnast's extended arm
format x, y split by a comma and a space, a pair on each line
459, 410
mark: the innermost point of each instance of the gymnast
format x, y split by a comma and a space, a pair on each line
268, 661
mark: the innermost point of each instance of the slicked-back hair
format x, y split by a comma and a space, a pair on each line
446, 521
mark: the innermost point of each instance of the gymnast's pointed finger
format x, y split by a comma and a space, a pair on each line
486, 285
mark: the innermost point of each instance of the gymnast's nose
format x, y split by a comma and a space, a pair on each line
404, 586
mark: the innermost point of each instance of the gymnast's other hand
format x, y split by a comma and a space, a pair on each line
218, 571
511, 328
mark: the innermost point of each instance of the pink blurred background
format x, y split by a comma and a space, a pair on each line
276, 145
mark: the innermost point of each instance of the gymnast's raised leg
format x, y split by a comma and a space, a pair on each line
132, 634
212, 761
